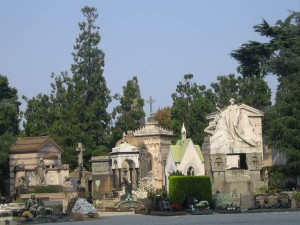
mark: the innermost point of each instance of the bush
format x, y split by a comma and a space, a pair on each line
220, 201
184, 188
48, 189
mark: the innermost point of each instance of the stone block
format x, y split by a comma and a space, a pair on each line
261, 200
284, 199
272, 200
56, 206
254, 161
247, 201
218, 162
234, 176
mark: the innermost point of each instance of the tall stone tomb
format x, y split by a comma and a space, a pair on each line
133, 157
234, 154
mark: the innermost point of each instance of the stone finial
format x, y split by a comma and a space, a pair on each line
183, 132
124, 137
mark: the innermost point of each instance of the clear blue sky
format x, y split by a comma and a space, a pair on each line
156, 40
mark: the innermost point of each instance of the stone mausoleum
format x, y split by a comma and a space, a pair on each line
133, 157
36, 161
186, 157
234, 154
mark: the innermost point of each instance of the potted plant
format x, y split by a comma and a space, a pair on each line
296, 197
202, 205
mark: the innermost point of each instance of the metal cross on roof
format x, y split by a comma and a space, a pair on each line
150, 101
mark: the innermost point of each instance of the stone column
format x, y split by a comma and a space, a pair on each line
119, 179
137, 177
114, 178
130, 172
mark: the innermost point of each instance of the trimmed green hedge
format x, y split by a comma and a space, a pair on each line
48, 189
183, 189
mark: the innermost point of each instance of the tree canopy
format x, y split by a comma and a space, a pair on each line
129, 114
283, 128
190, 107
76, 110
9, 125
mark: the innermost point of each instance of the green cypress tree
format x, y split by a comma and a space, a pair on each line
129, 114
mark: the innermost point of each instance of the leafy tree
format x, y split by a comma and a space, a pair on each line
85, 95
283, 120
226, 88
37, 115
9, 125
253, 89
77, 106
129, 114
163, 117
10, 113
190, 107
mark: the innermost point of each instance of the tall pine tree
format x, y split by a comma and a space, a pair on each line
77, 106
129, 114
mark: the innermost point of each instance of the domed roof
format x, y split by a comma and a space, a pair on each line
130, 139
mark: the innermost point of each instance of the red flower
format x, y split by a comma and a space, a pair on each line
175, 206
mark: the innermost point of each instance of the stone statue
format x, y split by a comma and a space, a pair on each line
33, 207
32, 204
229, 126
127, 189
238, 124
212, 128
41, 169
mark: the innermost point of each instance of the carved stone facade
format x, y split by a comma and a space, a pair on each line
36, 161
157, 141
234, 150
134, 156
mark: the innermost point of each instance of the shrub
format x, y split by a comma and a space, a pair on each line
296, 195
48, 189
220, 201
181, 188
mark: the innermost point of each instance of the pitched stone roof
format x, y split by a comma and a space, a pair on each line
179, 150
250, 111
31, 144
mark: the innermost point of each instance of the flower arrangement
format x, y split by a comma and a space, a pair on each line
27, 214
91, 214
175, 207
202, 205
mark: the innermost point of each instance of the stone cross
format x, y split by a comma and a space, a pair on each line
80, 149
150, 101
